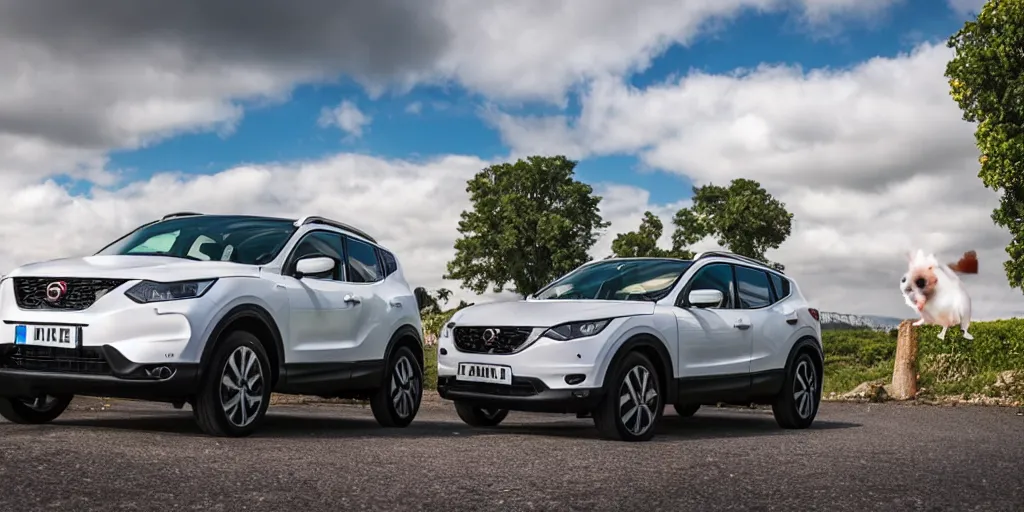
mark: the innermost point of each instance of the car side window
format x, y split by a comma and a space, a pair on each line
323, 243
780, 285
362, 258
390, 264
716, 276
754, 288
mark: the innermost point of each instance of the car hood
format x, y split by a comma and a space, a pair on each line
156, 268
548, 313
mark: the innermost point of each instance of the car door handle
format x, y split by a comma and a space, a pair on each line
741, 324
395, 304
352, 299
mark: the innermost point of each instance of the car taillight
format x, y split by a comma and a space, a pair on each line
814, 313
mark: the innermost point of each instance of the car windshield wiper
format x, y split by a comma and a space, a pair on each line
167, 254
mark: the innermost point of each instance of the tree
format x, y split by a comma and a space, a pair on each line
531, 222
986, 79
744, 217
443, 294
424, 301
644, 241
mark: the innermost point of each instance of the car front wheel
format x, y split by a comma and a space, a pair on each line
34, 411
397, 401
235, 391
797, 404
632, 405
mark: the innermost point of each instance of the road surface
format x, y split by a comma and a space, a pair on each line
308, 458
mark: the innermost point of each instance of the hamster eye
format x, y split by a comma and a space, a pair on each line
904, 279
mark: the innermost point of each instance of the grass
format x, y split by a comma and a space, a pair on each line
430, 367
953, 366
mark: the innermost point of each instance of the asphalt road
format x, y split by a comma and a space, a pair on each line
140, 456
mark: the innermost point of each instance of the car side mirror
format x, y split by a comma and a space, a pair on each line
313, 265
705, 298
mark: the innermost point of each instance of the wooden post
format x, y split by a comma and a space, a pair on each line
904, 371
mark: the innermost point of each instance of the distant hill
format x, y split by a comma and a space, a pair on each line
835, 321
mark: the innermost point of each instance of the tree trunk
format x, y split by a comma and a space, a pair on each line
904, 371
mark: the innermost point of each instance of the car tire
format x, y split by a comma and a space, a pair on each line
797, 403
686, 410
397, 401
234, 392
480, 416
629, 411
34, 412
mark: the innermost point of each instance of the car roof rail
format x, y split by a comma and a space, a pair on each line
734, 256
315, 219
180, 214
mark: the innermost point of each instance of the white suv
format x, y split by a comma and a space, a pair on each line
216, 311
621, 338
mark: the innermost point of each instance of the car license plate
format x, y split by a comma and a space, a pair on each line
489, 373
60, 336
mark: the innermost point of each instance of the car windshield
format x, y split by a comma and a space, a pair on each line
238, 239
641, 279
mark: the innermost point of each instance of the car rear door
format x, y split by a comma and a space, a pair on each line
366, 281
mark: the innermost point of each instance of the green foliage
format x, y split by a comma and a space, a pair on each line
951, 366
432, 324
744, 217
986, 79
531, 222
429, 367
644, 242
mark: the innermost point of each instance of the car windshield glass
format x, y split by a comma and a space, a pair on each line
644, 279
238, 239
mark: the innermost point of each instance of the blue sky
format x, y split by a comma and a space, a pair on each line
450, 120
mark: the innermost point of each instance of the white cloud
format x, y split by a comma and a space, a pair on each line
539, 49
347, 117
873, 161
966, 7
414, 108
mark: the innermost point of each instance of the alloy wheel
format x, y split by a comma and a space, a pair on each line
638, 399
805, 388
241, 387
404, 387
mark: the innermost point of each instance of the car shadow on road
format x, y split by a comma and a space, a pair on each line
297, 424
276, 425
673, 427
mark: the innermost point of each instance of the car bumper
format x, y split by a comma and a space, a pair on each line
547, 375
525, 394
545, 360
27, 371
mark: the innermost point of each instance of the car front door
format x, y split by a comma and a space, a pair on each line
714, 341
325, 318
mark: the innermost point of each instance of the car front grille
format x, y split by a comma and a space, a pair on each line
491, 340
78, 293
88, 360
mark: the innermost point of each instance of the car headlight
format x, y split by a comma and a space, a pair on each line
573, 330
152, 291
446, 331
